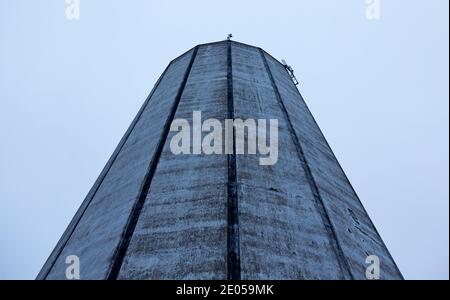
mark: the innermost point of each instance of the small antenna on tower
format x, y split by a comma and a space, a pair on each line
290, 70
230, 35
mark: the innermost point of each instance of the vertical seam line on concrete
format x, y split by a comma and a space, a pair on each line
328, 225
76, 220
121, 250
233, 247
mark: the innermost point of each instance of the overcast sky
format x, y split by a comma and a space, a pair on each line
378, 89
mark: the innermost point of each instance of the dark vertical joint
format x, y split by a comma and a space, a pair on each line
345, 267
233, 257
121, 250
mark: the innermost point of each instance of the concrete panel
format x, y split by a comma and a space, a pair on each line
355, 232
182, 230
100, 229
282, 235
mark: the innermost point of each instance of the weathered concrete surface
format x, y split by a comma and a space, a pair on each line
298, 219
181, 233
100, 228
282, 235
354, 230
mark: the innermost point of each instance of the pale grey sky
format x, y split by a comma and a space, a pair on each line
378, 89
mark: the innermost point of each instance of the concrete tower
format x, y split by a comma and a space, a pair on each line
152, 214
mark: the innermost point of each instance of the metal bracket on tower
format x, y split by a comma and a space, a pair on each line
290, 70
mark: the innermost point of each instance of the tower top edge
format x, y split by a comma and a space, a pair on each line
224, 42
